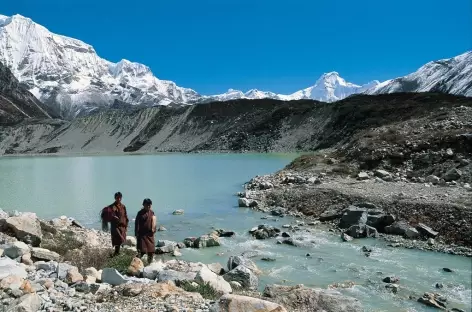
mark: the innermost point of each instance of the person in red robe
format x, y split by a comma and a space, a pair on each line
145, 228
118, 223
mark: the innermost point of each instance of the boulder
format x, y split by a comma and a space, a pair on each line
330, 215
452, 175
161, 228
402, 228
112, 277
189, 242
206, 241
16, 250
63, 268
25, 228
26, 259
314, 180
244, 276
48, 267
362, 176
11, 267
216, 268
135, 267
11, 282
380, 220
178, 212
235, 261
236, 303
432, 179
265, 185
44, 254
384, 175
390, 279
265, 231
26, 303
353, 216
247, 203
165, 246
205, 275
132, 290
426, 230
432, 300
361, 231
346, 237
152, 270
73, 276
172, 275
304, 299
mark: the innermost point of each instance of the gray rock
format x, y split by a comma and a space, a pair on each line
50, 266
27, 303
248, 203
329, 215
353, 216
235, 261
15, 250
236, 303
205, 275
216, 268
44, 254
432, 179
346, 237
426, 230
401, 228
452, 175
206, 241
311, 299
165, 246
244, 276
112, 277
25, 228
380, 221
178, 212
360, 231
172, 275
362, 176
63, 268
384, 175
11, 267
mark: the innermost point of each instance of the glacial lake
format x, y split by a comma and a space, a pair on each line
204, 185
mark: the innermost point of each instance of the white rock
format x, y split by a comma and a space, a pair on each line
27, 303
235, 303
16, 249
25, 228
152, 270
45, 254
112, 277
205, 275
131, 241
432, 179
362, 176
11, 267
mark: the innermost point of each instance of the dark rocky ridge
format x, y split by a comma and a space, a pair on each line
16, 102
235, 126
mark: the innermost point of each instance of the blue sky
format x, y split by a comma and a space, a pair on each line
282, 46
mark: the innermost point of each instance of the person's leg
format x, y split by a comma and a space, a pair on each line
117, 250
150, 257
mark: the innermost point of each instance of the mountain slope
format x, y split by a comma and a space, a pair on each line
68, 75
16, 102
453, 76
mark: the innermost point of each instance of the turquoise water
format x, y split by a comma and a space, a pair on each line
204, 186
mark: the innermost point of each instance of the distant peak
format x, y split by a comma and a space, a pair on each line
330, 74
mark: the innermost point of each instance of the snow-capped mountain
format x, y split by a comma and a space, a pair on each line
330, 87
453, 75
68, 74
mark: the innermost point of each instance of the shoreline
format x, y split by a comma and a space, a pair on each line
260, 189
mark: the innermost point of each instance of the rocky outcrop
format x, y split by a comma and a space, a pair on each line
244, 276
304, 299
25, 228
205, 275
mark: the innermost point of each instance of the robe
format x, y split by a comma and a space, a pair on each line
144, 231
119, 224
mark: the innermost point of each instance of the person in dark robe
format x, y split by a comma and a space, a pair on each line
145, 228
119, 223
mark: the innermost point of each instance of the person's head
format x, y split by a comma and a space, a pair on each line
118, 197
147, 203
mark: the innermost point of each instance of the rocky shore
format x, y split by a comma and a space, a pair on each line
58, 265
422, 215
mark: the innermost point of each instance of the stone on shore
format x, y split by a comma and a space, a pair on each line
173, 275
206, 241
353, 216
165, 246
426, 230
346, 237
301, 298
235, 261
265, 231
246, 203
131, 241
236, 303
16, 250
135, 267
244, 276
92, 272
402, 228
361, 231
330, 215
153, 269
178, 212
26, 228
216, 268
383, 174
26, 303
112, 277
432, 300
11, 267
205, 275
452, 175
432, 179
73, 276
362, 176
44, 254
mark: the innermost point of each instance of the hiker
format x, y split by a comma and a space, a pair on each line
145, 228
116, 215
